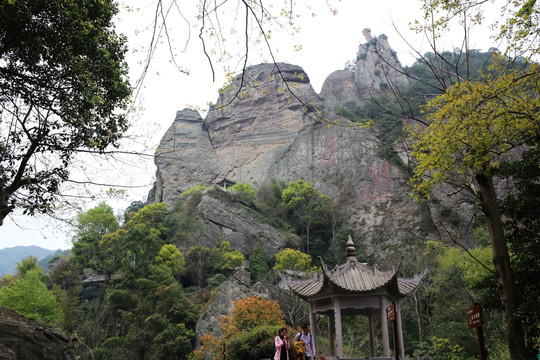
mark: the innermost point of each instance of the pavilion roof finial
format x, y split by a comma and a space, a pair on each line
350, 252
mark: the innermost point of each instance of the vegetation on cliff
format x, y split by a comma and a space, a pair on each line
149, 295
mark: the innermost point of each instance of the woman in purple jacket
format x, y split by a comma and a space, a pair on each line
282, 345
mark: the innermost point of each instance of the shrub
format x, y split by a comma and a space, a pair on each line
255, 344
244, 192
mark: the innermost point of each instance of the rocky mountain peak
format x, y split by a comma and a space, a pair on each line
367, 34
257, 131
238, 140
375, 69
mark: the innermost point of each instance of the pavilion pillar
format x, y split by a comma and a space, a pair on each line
384, 327
372, 345
312, 323
331, 331
339, 337
399, 329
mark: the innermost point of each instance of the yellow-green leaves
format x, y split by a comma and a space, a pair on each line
297, 261
474, 125
171, 257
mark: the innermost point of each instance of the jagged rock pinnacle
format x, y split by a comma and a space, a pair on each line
367, 34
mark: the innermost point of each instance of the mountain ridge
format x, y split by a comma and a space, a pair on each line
10, 256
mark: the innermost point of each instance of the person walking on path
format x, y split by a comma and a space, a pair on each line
306, 337
282, 345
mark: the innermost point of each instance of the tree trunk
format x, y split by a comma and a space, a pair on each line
308, 227
417, 312
5, 208
501, 259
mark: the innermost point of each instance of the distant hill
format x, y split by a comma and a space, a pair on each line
9, 257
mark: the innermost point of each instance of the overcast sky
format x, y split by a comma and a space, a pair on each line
328, 41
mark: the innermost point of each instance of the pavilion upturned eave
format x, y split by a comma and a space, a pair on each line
352, 278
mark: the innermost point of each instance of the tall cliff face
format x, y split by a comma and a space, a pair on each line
238, 139
185, 157
254, 131
267, 133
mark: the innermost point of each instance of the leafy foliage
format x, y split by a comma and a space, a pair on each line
203, 262
294, 260
255, 344
456, 280
171, 258
445, 350
27, 264
29, 296
476, 124
522, 224
91, 226
245, 192
57, 97
251, 319
258, 267
196, 189
308, 207
132, 209
472, 128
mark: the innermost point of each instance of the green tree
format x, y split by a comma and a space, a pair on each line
194, 190
143, 239
64, 280
29, 296
68, 302
307, 206
249, 320
472, 127
91, 226
445, 350
254, 344
270, 204
152, 215
456, 279
57, 97
112, 252
258, 267
245, 192
198, 263
170, 256
203, 262
27, 264
479, 119
183, 224
229, 259
150, 315
132, 210
290, 259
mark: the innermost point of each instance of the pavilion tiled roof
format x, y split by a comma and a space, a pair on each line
355, 276
352, 276
305, 288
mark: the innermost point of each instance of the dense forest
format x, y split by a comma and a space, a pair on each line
126, 290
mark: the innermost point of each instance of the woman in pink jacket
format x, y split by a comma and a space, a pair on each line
282, 345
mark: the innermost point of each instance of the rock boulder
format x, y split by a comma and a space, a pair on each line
26, 339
